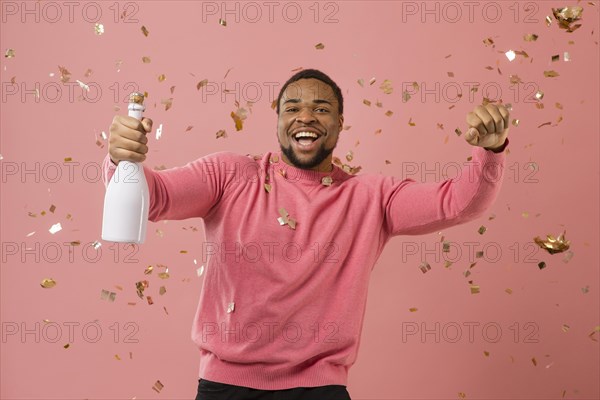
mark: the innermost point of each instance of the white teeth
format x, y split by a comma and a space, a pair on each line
306, 134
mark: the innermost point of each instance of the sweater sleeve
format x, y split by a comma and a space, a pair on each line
413, 208
182, 192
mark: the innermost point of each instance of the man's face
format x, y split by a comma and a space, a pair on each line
308, 108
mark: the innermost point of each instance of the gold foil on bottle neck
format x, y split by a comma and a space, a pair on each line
137, 98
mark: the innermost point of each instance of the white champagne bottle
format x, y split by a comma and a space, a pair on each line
127, 201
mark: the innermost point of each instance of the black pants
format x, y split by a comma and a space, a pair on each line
209, 390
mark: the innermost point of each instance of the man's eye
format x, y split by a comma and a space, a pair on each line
322, 110
292, 109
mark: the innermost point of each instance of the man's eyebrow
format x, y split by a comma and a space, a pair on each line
316, 101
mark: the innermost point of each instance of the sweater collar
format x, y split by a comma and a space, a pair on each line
293, 173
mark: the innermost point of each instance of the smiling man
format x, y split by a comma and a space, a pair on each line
290, 248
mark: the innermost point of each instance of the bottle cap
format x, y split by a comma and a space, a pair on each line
136, 97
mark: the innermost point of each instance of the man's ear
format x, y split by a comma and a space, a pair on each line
341, 119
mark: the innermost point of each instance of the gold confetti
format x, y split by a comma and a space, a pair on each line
508, 290
488, 41
510, 55
99, 29
140, 286
48, 283
548, 20
286, 219
221, 134
405, 96
482, 230
565, 328
203, 83
479, 254
534, 361
410, 122
157, 387
386, 86
530, 37
458, 132
326, 181
379, 104
474, 289
240, 115
222, 22
486, 353
551, 74
514, 79
164, 275
372, 81
117, 357
149, 299
349, 156
553, 245
555, 58
544, 124
424, 267
189, 128
145, 31
567, 16
319, 46
162, 77
567, 257
566, 56
168, 103
361, 82
108, 295
389, 113
462, 395
146, 60
413, 309
162, 290
366, 102
541, 265
148, 270
66, 346
230, 307
450, 74
200, 270
10, 53
515, 122
539, 95
65, 75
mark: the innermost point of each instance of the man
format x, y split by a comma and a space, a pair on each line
293, 239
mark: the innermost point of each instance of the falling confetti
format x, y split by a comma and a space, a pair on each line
319, 46
201, 84
48, 283
55, 228
157, 387
285, 219
99, 29
366, 102
482, 230
474, 289
230, 307
424, 267
65, 75
510, 55
553, 245
413, 309
567, 16
10, 53
221, 134
159, 131
530, 37
372, 81
541, 265
145, 31
108, 295
200, 271
386, 86
168, 103
146, 60
222, 22
551, 74
410, 122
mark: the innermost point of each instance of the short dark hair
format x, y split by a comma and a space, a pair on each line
314, 74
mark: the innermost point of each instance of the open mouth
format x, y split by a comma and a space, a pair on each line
306, 140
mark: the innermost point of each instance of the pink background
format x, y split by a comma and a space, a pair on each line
369, 39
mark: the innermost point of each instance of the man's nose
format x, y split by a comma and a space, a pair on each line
306, 116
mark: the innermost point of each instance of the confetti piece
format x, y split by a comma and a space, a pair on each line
286, 219
548, 20
157, 387
539, 95
366, 102
566, 56
515, 122
230, 307
555, 58
424, 267
48, 283
66, 346
140, 286
349, 156
149, 299
146, 60
510, 55
159, 131
486, 353
482, 230
10, 53
162, 77
553, 245
474, 289
361, 82
545, 124
55, 228
488, 42
530, 37
458, 132
542, 265
551, 74
319, 46
164, 275
479, 254
508, 290
405, 96
239, 116
222, 22
99, 29
96, 245
372, 81
567, 257
514, 79
386, 86
379, 104
65, 75
462, 395
221, 134
162, 290
145, 31
389, 113
148, 270
117, 357
450, 74
203, 83
168, 103
565, 328
567, 16
200, 271
534, 361
410, 122
83, 85
413, 309
326, 181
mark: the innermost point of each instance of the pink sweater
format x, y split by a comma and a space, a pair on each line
283, 307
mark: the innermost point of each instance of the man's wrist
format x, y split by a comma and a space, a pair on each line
498, 149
